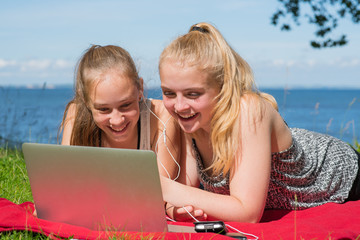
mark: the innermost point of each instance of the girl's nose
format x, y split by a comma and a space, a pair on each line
181, 105
116, 118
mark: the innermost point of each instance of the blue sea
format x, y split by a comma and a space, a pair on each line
34, 115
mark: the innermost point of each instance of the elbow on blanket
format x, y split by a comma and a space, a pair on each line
253, 217
240, 212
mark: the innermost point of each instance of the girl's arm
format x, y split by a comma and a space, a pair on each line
179, 165
188, 176
68, 125
250, 174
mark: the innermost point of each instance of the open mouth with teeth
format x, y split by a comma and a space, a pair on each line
120, 129
187, 117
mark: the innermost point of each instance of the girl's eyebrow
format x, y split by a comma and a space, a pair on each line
186, 89
122, 101
99, 105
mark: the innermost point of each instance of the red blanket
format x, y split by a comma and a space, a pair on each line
329, 221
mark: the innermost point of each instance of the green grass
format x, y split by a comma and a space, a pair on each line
22, 235
15, 186
14, 182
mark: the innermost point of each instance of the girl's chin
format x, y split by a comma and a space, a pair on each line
117, 138
189, 125
188, 128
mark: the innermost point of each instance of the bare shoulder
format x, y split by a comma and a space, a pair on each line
72, 109
157, 104
259, 113
69, 113
68, 123
158, 108
249, 99
255, 109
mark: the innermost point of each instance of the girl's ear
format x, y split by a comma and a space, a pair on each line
141, 88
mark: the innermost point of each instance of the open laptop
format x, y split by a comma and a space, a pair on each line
97, 188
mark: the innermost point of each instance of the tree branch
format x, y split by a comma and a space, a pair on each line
320, 16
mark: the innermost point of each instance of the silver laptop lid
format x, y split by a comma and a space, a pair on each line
97, 188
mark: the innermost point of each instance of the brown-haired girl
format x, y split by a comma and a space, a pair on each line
109, 109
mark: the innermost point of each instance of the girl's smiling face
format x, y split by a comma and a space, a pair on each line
114, 103
187, 96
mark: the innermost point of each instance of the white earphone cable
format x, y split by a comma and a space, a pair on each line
163, 134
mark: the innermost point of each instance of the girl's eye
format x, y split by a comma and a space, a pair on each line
124, 106
168, 94
103, 110
193, 94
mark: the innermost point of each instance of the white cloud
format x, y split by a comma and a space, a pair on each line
350, 63
290, 63
311, 62
35, 65
5, 63
283, 63
339, 63
36, 71
344, 62
278, 62
61, 64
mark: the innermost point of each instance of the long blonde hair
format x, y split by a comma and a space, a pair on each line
97, 58
204, 47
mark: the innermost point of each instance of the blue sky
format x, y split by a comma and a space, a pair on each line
41, 41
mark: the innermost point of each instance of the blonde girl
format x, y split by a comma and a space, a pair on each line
240, 150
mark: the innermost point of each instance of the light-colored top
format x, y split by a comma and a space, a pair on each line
317, 169
145, 125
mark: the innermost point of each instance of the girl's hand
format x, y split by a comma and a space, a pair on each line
34, 213
182, 213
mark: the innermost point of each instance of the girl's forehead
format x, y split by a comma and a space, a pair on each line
115, 75
176, 73
198, 67
114, 84
177, 63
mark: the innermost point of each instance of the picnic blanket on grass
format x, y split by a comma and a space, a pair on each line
329, 221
